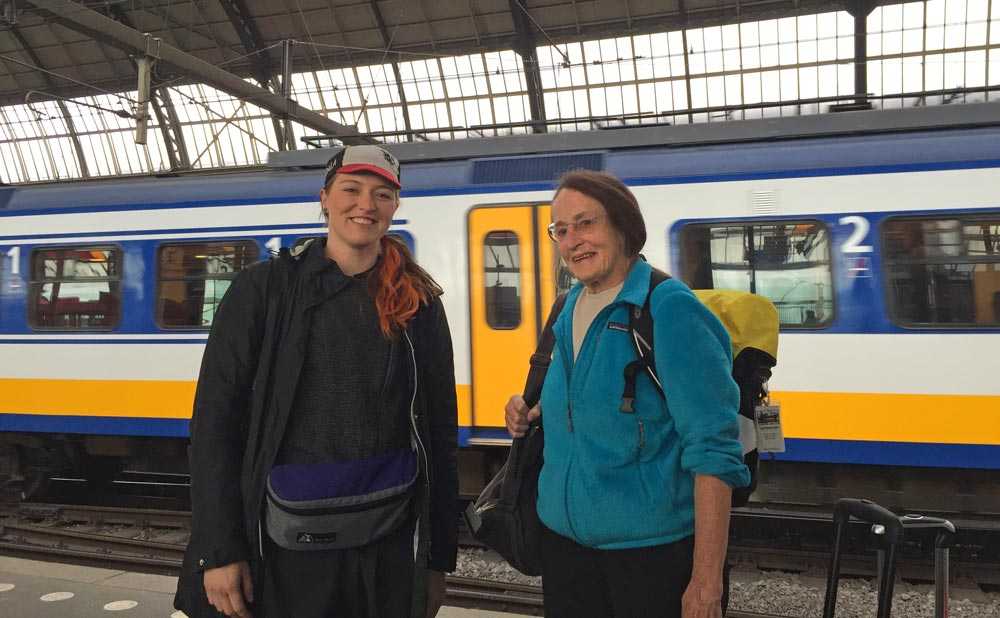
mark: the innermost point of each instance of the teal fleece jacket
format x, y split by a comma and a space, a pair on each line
614, 480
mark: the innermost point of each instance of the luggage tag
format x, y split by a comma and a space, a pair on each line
770, 437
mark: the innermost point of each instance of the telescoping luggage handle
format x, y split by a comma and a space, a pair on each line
890, 528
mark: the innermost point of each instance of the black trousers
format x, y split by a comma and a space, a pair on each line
375, 581
582, 582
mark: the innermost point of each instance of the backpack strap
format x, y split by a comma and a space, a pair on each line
542, 357
640, 329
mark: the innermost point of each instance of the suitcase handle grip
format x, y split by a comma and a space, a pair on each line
945, 529
868, 511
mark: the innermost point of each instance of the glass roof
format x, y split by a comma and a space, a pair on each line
790, 66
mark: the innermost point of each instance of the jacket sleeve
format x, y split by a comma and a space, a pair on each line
442, 413
218, 423
694, 362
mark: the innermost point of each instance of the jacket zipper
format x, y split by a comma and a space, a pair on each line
642, 435
421, 452
416, 441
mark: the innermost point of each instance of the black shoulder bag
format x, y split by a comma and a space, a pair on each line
504, 516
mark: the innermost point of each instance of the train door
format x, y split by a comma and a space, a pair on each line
511, 287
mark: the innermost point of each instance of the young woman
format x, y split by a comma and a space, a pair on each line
635, 503
320, 440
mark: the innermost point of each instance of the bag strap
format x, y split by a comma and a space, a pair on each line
640, 328
542, 357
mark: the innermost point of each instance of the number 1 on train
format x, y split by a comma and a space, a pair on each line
15, 260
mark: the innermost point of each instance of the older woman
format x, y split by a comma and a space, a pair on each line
635, 505
323, 433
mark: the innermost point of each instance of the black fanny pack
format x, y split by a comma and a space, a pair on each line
341, 504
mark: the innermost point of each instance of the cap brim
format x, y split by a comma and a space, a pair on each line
355, 168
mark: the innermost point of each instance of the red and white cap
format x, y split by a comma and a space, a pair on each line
363, 159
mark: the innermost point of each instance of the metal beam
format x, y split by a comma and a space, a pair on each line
859, 10
387, 42
170, 127
682, 7
528, 50
86, 21
163, 109
260, 64
70, 125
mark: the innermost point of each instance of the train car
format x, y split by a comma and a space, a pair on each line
876, 234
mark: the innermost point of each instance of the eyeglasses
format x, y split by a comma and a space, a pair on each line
557, 232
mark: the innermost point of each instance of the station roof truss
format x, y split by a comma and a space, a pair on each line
233, 80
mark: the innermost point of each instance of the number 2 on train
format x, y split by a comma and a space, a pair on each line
15, 260
853, 243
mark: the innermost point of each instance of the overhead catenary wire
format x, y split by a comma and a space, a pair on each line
29, 65
545, 34
27, 101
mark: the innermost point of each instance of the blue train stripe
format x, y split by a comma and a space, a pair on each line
320, 227
514, 187
163, 206
96, 425
931, 455
983, 456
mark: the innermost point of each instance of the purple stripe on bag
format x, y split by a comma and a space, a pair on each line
343, 478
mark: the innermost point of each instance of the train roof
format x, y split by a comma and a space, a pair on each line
676, 136
861, 142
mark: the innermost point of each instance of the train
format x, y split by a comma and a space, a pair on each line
876, 234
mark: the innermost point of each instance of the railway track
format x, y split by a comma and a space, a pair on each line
123, 537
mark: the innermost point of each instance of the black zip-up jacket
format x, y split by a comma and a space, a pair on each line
245, 392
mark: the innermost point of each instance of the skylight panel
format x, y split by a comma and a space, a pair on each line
976, 20
806, 36
11, 165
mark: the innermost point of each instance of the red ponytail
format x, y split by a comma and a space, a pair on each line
401, 286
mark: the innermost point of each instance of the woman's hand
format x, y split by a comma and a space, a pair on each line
518, 416
230, 588
702, 600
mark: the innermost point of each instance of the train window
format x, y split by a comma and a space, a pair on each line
502, 266
943, 272
192, 279
786, 261
75, 288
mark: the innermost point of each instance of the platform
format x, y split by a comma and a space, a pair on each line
33, 589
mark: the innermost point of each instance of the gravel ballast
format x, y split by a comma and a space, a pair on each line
786, 594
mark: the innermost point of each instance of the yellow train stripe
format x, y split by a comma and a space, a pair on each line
945, 419
464, 393
131, 398
135, 398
